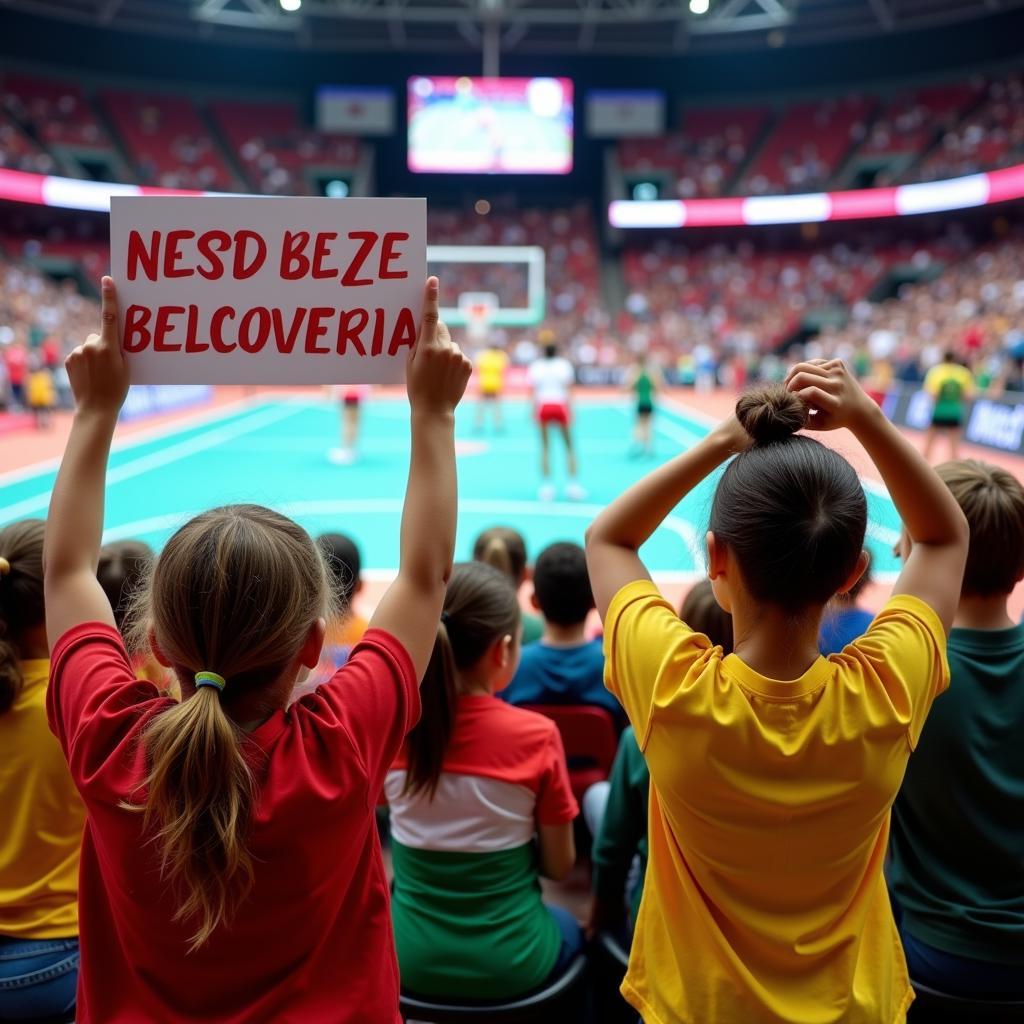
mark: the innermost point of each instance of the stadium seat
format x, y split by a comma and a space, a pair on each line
934, 1007
610, 959
590, 741
559, 1001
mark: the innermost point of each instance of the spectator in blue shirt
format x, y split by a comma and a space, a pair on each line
563, 667
843, 620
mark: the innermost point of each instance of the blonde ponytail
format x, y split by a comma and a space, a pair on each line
496, 554
200, 796
505, 549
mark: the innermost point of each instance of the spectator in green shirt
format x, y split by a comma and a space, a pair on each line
616, 810
957, 841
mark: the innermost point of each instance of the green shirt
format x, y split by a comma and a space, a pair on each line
644, 388
957, 839
623, 831
471, 925
533, 628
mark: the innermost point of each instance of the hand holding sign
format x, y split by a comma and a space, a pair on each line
438, 372
97, 369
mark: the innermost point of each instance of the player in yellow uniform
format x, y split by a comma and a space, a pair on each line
950, 383
491, 364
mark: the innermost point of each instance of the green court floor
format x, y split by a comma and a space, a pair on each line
275, 453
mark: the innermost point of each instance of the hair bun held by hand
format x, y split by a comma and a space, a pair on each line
771, 413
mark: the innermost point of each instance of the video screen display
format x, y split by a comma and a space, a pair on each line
490, 125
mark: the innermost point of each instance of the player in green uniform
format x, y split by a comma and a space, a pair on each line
644, 382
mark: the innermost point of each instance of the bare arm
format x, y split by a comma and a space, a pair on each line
74, 525
437, 377
557, 850
932, 517
615, 536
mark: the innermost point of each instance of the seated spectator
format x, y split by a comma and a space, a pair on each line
564, 667
616, 810
347, 627
480, 801
42, 814
843, 620
505, 549
957, 842
122, 571
774, 769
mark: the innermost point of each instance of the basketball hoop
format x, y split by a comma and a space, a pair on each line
478, 310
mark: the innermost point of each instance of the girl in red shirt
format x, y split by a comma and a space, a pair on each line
230, 864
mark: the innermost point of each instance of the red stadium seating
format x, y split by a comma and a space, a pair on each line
57, 109
588, 735
702, 159
808, 146
168, 142
276, 151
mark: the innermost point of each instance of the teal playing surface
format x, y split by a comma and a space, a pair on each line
275, 453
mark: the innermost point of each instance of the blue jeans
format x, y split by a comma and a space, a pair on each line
572, 940
38, 977
961, 975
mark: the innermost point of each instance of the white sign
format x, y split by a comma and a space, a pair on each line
248, 290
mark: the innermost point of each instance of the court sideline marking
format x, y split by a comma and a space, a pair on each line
164, 456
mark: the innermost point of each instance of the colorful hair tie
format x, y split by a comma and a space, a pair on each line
211, 679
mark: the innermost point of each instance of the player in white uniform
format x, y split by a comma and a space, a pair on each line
551, 378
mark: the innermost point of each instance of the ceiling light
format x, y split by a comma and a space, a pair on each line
290, 5
699, 6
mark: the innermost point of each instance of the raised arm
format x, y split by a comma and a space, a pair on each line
438, 373
74, 525
929, 511
615, 536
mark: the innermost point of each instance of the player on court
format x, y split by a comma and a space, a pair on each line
491, 364
551, 378
951, 384
644, 382
351, 397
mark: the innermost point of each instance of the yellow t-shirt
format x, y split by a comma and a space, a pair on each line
769, 817
41, 392
950, 384
491, 366
42, 817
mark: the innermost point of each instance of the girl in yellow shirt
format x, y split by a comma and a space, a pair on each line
40, 809
773, 769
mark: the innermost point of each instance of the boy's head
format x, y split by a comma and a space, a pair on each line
993, 501
561, 584
344, 565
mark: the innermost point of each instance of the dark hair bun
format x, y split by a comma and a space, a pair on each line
771, 413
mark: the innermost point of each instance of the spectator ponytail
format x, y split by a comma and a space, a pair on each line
480, 607
21, 600
505, 549
236, 592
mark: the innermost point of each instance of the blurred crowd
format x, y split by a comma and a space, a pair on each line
40, 320
719, 315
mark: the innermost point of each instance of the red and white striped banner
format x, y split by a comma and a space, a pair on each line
856, 204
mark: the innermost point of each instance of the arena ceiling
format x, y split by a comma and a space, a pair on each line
519, 26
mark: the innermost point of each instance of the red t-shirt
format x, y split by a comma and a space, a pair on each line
17, 364
313, 940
